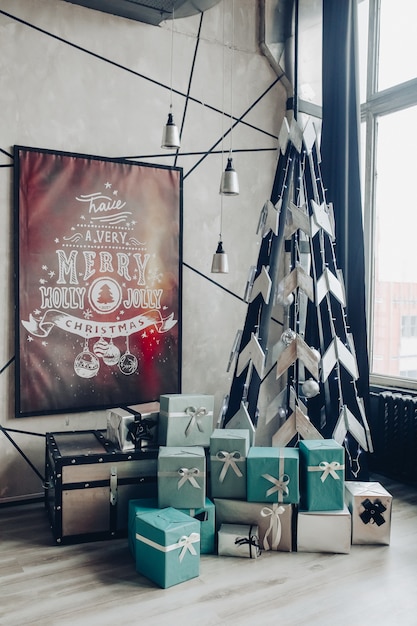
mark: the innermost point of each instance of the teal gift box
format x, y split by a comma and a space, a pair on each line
273, 475
137, 507
185, 419
181, 477
322, 474
229, 449
205, 516
167, 546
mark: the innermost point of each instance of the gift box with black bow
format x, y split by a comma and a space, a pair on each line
370, 505
238, 540
134, 427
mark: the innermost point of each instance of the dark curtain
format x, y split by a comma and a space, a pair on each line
340, 151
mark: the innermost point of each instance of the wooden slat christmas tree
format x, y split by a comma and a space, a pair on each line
301, 384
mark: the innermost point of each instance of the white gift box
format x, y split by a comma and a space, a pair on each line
324, 531
370, 505
238, 540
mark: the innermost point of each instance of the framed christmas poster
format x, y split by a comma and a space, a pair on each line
98, 281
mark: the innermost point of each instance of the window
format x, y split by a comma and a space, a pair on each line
388, 86
409, 326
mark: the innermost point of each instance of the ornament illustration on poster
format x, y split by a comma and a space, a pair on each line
99, 281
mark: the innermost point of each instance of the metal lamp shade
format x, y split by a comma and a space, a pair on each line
170, 135
220, 264
229, 185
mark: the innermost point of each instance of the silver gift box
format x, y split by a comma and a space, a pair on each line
133, 427
324, 531
238, 540
370, 505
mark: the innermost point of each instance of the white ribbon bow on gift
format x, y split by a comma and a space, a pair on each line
188, 474
280, 484
274, 522
328, 469
186, 543
195, 421
229, 460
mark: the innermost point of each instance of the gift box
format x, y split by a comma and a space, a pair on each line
229, 449
238, 540
167, 546
273, 475
181, 477
324, 531
322, 474
205, 516
137, 507
274, 521
370, 505
185, 419
134, 427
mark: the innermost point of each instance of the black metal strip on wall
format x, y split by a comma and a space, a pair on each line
22, 454
236, 121
190, 80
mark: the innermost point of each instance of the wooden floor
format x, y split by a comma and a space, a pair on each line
96, 583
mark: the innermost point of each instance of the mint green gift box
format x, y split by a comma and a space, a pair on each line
322, 474
135, 507
229, 449
185, 419
167, 546
205, 516
181, 477
273, 475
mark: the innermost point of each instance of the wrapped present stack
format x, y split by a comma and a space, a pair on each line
270, 490
216, 493
167, 533
324, 521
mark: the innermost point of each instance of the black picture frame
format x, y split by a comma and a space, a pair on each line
98, 258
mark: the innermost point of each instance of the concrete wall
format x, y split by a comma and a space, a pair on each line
79, 80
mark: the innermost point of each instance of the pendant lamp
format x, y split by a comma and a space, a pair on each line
229, 183
220, 263
170, 134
